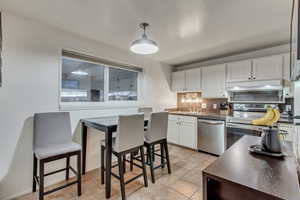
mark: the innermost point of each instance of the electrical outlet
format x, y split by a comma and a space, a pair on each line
203, 105
215, 106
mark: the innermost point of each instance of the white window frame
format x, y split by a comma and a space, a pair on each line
107, 104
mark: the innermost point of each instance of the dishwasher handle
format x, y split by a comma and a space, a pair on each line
211, 122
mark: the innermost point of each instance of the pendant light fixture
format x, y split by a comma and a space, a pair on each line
144, 45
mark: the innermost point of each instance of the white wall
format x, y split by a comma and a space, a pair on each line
237, 56
31, 64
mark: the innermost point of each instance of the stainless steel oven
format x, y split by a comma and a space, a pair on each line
234, 131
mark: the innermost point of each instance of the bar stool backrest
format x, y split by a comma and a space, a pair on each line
157, 127
51, 128
146, 110
129, 132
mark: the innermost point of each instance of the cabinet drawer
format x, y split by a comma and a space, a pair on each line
188, 119
174, 117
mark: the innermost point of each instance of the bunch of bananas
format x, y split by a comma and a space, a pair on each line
271, 117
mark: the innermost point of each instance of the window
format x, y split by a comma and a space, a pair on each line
82, 81
86, 81
122, 85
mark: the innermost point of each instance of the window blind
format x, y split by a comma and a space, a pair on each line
81, 56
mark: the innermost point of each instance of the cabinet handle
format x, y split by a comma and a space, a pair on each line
254, 78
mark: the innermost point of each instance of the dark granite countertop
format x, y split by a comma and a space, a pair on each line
273, 176
218, 116
202, 115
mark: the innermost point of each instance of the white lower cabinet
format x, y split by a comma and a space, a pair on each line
173, 131
182, 130
188, 135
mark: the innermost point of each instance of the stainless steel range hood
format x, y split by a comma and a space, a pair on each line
270, 91
255, 85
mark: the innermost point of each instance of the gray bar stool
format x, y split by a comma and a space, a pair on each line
146, 110
154, 135
53, 141
129, 139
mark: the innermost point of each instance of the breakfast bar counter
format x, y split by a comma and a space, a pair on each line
238, 174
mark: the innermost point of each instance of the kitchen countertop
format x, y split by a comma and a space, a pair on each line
219, 116
202, 115
274, 177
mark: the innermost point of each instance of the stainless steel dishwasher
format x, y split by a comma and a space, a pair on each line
211, 136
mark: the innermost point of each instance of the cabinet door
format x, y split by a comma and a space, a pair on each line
239, 71
193, 79
178, 81
173, 131
213, 81
188, 135
267, 68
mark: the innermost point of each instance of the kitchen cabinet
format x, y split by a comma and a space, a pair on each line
213, 81
178, 81
182, 130
239, 71
187, 135
267, 68
193, 79
173, 131
264, 68
187, 80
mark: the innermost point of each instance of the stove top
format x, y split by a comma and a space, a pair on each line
243, 117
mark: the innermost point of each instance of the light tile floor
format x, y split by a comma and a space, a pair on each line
185, 182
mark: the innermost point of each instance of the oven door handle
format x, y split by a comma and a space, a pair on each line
254, 128
235, 126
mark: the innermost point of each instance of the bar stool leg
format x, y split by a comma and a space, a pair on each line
144, 167
78, 173
147, 155
35, 162
153, 151
162, 159
41, 184
67, 167
124, 163
150, 152
102, 164
165, 144
131, 161
121, 174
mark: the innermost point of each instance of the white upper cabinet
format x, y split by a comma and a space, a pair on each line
193, 79
188, 80
213, 81
239, 71
178, 81
267, 68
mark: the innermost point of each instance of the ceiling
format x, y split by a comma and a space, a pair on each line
185, 30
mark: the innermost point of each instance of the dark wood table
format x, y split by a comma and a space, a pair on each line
108, 125
237, 174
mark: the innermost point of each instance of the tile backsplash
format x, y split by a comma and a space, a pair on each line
193, 102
